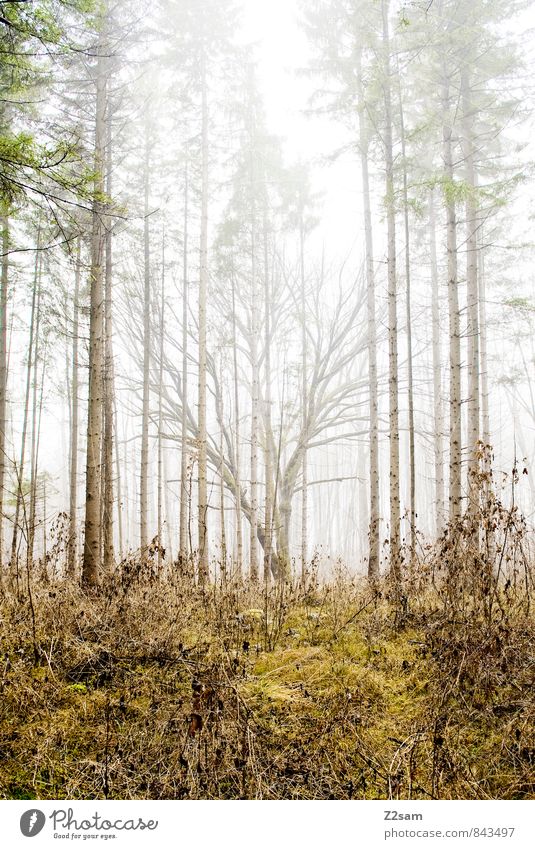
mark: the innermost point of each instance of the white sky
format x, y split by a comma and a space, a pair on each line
282, 49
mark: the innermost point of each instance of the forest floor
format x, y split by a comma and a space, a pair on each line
167, 691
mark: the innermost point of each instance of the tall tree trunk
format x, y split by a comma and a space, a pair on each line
90, 570
119, 494
72, 547
34, 439
362, 528
437, 370
4, 286
374, 544
485, 413
203, 292
408, 313
223, 538
168, 514
472, 294
37, 446
184, 493
268, 429
20, 497
239, 534
144, 475
108, 499
454, 319
253, 570
304, 401
395, 512
45, 543
160, 413
255, 381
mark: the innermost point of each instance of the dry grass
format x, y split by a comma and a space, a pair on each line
157, 689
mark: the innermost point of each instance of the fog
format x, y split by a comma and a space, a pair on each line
206, 161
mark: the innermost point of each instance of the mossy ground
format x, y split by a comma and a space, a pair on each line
172, 692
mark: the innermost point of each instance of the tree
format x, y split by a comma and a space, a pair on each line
144, 468
202, 40
347, 37
93, 511
72, 552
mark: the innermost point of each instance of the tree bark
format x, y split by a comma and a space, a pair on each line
108, 439
35, 434
255, 381
19, 499
485, 413
160, 414
472, 294
4, 286
119, 495
395, 553
237, 476
408, 313
268, 507
184, 494
144, 470
374, 526
223, 534
304, 401
72, 547
92, 554
438, 416
203, 292
455, 436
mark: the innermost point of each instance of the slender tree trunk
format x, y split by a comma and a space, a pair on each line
437, 368
184, 494
374, 527
45, 543
168, 514
90, 571
37, 447
239, 534
255, 383
254, 437
4, 286
304, 401
203, 292
134, 527
485, 414
119, 499
222, 474
454, 319
72, 549
160, 413
108, 499
144, 476
408, 313
472, 294
33, 445
19, 501
128, 499
362, 528
268, 429
395, 512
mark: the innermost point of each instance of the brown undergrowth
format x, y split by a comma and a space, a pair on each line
155, 688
